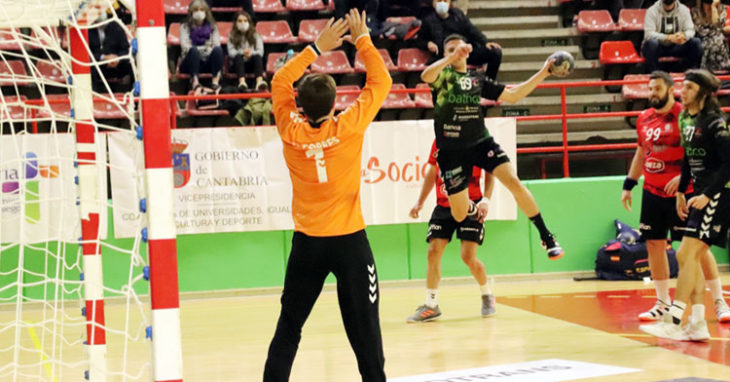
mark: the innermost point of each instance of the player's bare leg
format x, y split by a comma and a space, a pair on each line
689, 257
712, 277
696, 329
659, 267
430, 311
461, 205
508, 177
479, 271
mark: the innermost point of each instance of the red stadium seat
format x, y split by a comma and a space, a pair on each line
275, 32
271, 61
105, 109
176, 7
193, 111
398, 100
309, 29
400, 20
424, 100
636, 91
305, 5
595, 21
60, 105
9, 72
9, 40
332, 62
268, 6
53, 31
173, 34
404, 20
360, 66
14, 112
51, 71
343, 101
224, 29
412, 59
618, 52
226, 9
630, 20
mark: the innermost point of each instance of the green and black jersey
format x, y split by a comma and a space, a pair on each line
706, 142
459, 120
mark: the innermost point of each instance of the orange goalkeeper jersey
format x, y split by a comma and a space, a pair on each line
325, 162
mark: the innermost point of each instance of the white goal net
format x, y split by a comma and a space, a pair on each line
73, 299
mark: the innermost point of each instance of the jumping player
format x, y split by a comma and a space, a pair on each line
463, 140
323, 154
441, 228
659, 158
706, 141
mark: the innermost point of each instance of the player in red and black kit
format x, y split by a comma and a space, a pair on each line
441, 228
706, 140
659, 158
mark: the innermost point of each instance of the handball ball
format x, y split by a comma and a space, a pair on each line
563, 65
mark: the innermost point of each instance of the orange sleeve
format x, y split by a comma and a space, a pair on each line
377, 86
282, 91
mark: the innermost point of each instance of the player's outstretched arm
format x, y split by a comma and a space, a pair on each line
431, 73
282, 85
428, 182
377, 82
516, 93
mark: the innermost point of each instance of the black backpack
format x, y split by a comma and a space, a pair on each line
626, 257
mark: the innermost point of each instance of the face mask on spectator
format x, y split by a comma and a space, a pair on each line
668, 2
103, 16
199, 15
442, 8
242, 26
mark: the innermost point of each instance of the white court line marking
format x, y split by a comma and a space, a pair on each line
548, 370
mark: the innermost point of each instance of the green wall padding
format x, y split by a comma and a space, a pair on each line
579, 211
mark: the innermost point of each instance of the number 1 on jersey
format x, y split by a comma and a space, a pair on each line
318, 155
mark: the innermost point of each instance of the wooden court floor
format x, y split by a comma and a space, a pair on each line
226, 339
226, 336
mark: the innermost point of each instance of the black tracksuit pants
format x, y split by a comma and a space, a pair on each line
312, 258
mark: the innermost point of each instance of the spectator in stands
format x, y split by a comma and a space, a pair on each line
201, 45
669, 32
445, 20
246, 51
709, 18
247, 5
108, 43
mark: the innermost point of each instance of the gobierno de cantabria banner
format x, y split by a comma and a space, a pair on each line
235, 179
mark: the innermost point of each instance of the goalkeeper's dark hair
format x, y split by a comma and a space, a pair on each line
317, 93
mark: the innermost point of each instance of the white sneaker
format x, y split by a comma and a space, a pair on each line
722, 310
697, 331
655, 313
666, 330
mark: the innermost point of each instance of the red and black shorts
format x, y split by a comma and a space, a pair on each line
659, 216
442, 226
